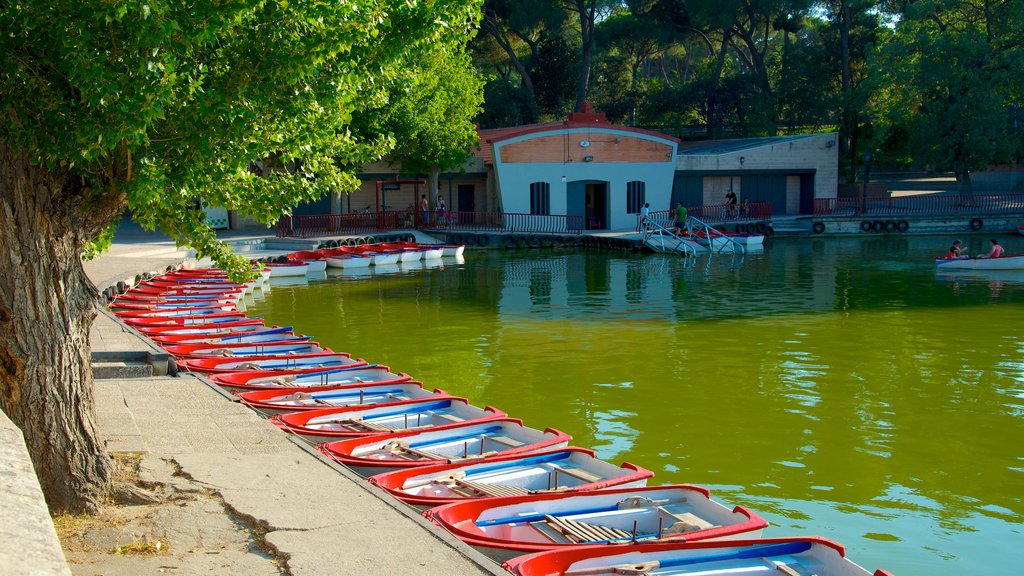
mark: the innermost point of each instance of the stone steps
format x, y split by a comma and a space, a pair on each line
121, 369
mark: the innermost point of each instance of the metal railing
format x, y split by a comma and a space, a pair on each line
664, 238
932, 204
314, 225
714, 213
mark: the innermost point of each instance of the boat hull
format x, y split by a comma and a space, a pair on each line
309, 380
272, 402
511, 526
374, 455
1014, 262
352, 422
766, 556
563, 470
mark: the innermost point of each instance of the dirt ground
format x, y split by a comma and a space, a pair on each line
157, 521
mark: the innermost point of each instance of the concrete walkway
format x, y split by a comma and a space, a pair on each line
302, 515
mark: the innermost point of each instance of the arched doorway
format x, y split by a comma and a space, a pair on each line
589, 199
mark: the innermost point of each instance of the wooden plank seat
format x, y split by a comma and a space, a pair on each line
684, 522
503, 440
483, 489
577, 473
448, 417
578, 532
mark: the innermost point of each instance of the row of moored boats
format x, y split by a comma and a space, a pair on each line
522, 495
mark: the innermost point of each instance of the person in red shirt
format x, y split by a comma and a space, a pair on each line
955, 251
997, 250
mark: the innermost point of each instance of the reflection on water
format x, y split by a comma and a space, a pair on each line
836, 387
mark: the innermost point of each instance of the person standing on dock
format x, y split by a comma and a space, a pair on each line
424, 209
441, 209
730, 203
681, 216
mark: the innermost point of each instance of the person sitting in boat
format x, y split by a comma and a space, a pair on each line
996, 250
955, 251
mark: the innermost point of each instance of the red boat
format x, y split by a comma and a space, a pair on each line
243, 334
243, 350
357, 421
754, 557
563, 470
514, 525
418, 448
299, 362
359, 395
185, 290
243, 324
172, 312
308, 380
216, 317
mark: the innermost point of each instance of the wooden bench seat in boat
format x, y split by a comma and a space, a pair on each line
576, 532
504, 440
577, 473
480, 488
684, 522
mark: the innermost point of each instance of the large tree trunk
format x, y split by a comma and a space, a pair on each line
46, 310
587, 13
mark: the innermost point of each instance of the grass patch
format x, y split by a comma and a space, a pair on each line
126, 466
68, 523
142, 547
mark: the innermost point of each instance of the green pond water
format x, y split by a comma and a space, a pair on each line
836, 387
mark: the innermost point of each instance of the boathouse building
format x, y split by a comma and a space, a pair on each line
587, 166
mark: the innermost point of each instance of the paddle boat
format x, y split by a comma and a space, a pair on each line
562, 470
380, 256
258, 333
803, 556
406, 252
746, 239
278, 347
514, 525
372, 455
282, 402
241, 325
350, 422
216, 317
1010, 262
341, 259
286, 269
308, 380
301, 362
450, 250
316, 262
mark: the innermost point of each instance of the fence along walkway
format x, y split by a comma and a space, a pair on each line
363, 222
922, 205
308, 226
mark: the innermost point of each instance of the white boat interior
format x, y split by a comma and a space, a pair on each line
532, 473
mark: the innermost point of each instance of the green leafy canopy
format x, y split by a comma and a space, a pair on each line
153, 104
